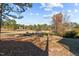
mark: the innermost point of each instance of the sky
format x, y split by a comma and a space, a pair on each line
41, 13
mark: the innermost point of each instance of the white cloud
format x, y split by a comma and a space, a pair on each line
43, 5
49, 6
70, 14
56, 12
31, 13
76, 10
47, 9
37, 14
76, 4
69, 11
46, 16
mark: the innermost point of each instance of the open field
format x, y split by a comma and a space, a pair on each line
17, 44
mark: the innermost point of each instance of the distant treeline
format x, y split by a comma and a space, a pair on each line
12, 25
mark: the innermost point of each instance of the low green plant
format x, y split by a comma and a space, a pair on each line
77, 36
70, 34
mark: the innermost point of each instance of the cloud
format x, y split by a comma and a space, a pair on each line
31, 13
49, 16
37, 14
69, 11
48, 9
49, 6
56, 12
43, 5
46, 15
76, 4
70, 14
75, 10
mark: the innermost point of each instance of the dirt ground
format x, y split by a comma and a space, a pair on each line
32, 45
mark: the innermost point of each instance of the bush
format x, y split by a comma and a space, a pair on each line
77, 36
70, 34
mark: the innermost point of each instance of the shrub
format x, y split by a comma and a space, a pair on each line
70, 34
77, 36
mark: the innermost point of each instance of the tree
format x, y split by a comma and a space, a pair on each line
14, 10
10, 24
0, 17
13, 24
57, 18
38, 27
61, 22
66, 22
34, 27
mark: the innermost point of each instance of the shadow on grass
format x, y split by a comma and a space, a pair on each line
73, 45
13, 48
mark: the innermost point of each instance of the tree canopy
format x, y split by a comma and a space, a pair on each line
14, 10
